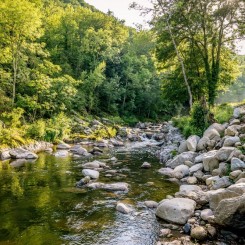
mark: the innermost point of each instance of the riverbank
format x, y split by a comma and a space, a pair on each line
208, 207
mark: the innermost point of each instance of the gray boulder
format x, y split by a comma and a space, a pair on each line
224, 153
231, 212
180, 159
63, 146
210, 162
176, 210
202, 143
216, 196
192, 142
20, 153
206, 214
237, 164
196, 168
123, 208
183, 147
93, 174
151, 204
231, 141
181, 171
166, 171
78, 150
222, 170
221, 183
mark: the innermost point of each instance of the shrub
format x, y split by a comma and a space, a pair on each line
37, 130
199, 119
222, 113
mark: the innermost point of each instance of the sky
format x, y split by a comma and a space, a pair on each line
120, 8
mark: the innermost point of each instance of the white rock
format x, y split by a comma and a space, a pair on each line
61, 153
180, 159
192, 142
123, 208
151, 204
181, 171
206, 213
192, 180
93, 174
176, 210
210, 162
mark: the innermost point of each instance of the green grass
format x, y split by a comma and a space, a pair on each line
222, 113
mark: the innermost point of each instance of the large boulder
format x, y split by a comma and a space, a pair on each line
192, 142
166, 171
202, 143
216, 196
237, 164
232, 130
224, 153
176, 210
219, 127
180, 159
231, 212
212, 134
221, 183
63, 146
4, 155
20, 153
181, 171
196, 168
183, 147
93, 174
231, 141
79, 150
210, 162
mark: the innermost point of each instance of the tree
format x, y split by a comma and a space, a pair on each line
20, 26
207, 27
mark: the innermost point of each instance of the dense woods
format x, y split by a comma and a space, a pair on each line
61, 58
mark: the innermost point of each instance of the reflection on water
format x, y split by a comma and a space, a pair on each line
40, 205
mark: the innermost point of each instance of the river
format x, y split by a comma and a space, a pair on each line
39, 203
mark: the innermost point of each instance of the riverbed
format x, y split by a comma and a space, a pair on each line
39, 203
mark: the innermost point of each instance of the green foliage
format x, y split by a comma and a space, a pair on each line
13, 118
37, 130
196, 123
222, 113
199, 118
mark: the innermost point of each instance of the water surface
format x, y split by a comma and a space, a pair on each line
40, 205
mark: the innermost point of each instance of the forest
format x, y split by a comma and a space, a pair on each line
64, 59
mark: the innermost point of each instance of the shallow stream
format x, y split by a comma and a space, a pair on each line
39, 204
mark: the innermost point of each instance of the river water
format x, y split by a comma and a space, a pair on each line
39, 204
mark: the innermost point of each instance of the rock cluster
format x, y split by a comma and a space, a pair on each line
216, 163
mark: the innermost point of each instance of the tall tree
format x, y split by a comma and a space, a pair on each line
207, 26
20, 22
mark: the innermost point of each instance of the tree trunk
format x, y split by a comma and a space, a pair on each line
179, 58
182, 65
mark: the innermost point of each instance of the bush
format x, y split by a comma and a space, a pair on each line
37, 130
195, 124
222, 113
